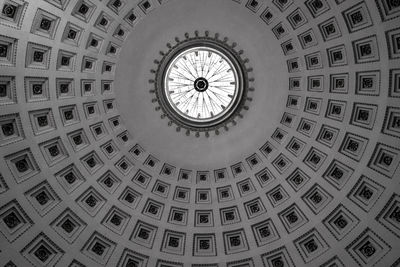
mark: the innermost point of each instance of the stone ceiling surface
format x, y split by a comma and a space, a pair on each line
92, 173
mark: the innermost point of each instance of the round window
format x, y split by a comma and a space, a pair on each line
201, 84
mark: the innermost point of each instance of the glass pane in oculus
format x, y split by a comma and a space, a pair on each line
201, 84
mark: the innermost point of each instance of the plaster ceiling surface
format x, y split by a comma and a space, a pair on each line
92, 172
161, 28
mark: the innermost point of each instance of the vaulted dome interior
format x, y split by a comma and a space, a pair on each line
177, 133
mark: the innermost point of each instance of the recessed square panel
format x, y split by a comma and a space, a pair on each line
308, 39
394, 83
174, 242
315, 158
368, 248
388, 9
339, 83
43, 198
311, 245
68, 225
353, 146
315, 83
37, 56
83, 10
317, 198
116, 5
314, 61
11, 129
178, 216
235, 241
109, 181
337, 174
277, 196
61, 4
279, 135
297, 179
385, 160
45, 24
280, 30
14, 221
366, 50
363, 115
357, 17
66, 60
294, 102
317, 7
37, 89
78, 139
130, 198
153, 209
267, 15
42, 251
103, 22
365, 193
147, 6
91, 201
313, 105
203, 196
229, 215
13, 12
53, 151
282, 5
327, 135
225, 193
340, 222
130, 257
278, 257
267, 149
265, 232
336, 109
393, 40
70, 178
22, 165
144, 234
288, 47
306, 127
297, 18
330, 29
98, 248
133, 16
295, 83
8, 93
116, 220
391, 125
293, 65
282, 163
254, 208
390, 214
182, 194
295, 146
8, 51
292, 218
204, 245
264, 177
368, 82
337, 56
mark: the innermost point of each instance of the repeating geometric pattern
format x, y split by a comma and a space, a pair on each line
78, 189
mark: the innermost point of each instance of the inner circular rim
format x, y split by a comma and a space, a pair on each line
201, 84
226, 110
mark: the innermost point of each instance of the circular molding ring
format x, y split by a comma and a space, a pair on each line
238, 103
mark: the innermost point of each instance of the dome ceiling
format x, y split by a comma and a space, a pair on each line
95, 171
